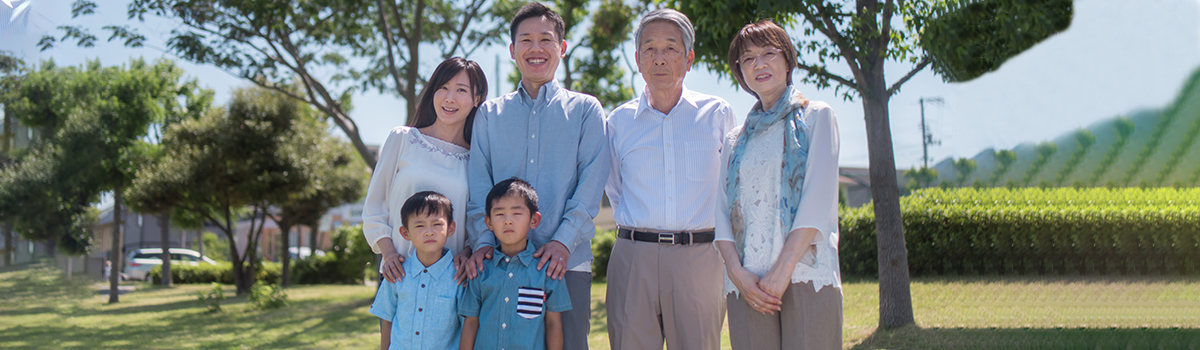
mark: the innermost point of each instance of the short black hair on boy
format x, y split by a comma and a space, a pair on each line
536, 10
427, 203
513, 187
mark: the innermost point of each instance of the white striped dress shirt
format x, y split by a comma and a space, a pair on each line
664, 166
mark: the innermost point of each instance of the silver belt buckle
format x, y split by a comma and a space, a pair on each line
666, 238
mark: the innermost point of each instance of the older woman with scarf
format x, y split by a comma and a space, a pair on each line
777, 227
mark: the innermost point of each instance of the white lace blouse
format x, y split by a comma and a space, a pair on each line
759, 191
411, 162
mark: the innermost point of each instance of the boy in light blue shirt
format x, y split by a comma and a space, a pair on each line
420, 311
511, 305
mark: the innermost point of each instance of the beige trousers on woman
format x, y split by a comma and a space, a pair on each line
809, 321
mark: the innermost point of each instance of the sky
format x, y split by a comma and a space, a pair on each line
1117, 57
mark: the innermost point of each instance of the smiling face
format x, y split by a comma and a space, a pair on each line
765, 72
454, 100
537, 50
661, 57
510, 219
428, 233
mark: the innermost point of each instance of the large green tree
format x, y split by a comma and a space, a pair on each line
92, 119
333, 176
249, 155
865, 35
333, 48
11, 69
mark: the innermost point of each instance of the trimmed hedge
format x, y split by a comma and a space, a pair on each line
268, 272
1035, 231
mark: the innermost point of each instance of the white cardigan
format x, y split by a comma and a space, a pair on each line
759, 197
411, 162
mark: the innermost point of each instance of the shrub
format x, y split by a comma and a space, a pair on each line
348, 262
602, 247
1036, 231
265, 296
212, 299
268, 272
214, 247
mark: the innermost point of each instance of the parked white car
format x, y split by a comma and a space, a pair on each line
139, 262
302, 252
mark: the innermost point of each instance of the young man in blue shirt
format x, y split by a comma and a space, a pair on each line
511, 305
420, 311
554, 139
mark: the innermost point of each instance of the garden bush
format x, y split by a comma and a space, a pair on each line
222, 272
347, 262
602, 247
1036, 231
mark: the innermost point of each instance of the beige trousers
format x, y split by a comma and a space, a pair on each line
660, 292
809, 320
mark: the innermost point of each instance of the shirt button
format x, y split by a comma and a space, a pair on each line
506, 259
503, 325
418, 332
510, 275
668, 145
533, 136
531, 161
419, 309
506, 299
670, 198
425, 270
422, 286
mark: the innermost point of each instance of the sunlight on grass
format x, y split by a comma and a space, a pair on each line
43, 310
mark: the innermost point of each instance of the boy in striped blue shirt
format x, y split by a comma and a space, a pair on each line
512, 305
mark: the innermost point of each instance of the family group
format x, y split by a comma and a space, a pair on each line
483, 210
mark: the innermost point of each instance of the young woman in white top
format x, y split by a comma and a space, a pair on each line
430, 154
777, 221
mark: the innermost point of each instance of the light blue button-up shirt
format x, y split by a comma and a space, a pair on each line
555, 141
422, 306
511, 298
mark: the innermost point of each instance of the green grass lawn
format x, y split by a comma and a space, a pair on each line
39, 309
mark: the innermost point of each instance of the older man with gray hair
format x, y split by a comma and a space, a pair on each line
665, 276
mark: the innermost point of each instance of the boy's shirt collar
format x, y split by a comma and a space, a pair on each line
525, 257
413, 266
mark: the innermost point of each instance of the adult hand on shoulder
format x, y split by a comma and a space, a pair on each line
759, 300
557, 255
460, 265
474, 265
393, 270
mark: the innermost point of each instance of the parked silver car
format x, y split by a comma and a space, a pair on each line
139, 262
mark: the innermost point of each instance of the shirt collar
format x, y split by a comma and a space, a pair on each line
644, 102
414, 267
525, 257
545, 92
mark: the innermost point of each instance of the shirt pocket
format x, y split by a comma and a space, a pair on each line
446, 313
703, 159
530, 302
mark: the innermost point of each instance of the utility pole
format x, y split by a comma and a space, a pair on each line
926, 136
497, 77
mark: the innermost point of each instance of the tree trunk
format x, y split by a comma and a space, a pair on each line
236, 260
895, 299
114, 279
200, 240
285, 231
164, 224
8, 243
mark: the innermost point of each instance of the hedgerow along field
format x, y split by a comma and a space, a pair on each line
1033, 231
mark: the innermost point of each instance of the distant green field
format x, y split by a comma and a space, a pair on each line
1163, 150
39, 310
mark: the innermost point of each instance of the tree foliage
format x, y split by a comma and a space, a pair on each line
969, 38
331, 48
257, 153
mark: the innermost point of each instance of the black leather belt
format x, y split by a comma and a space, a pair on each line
667, 237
